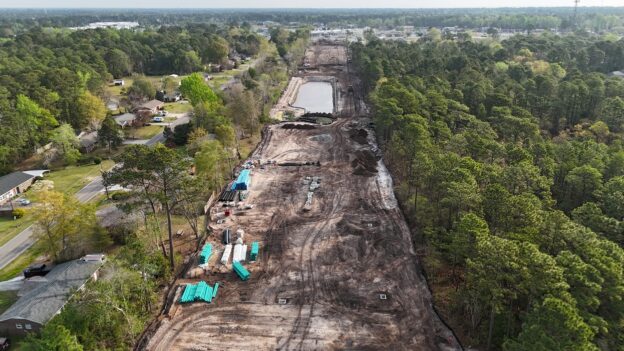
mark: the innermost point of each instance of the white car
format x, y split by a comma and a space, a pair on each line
24, 201
158, 119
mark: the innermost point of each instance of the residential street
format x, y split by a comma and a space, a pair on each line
159, 138
24, 240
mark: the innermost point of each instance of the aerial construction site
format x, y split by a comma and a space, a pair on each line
336, 268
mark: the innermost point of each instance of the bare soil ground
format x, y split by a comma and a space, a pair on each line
322, 274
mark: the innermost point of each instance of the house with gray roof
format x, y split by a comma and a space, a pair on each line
153, 106
13, 184
44, 297
126, 119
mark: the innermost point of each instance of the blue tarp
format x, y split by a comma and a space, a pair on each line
243, 181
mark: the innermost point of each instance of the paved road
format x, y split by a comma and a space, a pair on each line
24, 240
159, 138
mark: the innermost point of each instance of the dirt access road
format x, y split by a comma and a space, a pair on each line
322, 274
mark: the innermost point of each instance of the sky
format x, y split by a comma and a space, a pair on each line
298, 3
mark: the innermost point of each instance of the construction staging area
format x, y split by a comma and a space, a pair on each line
336, 267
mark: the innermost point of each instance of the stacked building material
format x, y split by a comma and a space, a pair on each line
226, 236
189, 293
215, 288
226, 254
205, 254
241, 271
240, 253
243, 181
199, 292
253, 255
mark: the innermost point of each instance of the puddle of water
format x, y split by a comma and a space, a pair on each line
322, 138
315, 97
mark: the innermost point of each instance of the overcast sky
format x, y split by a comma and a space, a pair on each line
298, 3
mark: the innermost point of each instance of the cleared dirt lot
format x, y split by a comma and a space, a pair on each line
323, 273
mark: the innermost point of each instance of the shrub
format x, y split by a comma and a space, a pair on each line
19, 213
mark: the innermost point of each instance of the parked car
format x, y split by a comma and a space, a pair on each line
158, 119
39, 269
24, 201
162, 113
4, 344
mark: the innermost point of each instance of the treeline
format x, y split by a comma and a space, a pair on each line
509, 163
51, 77
591, 18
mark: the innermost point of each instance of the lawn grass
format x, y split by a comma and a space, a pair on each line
178, 107
7, 298
24, 260
10, 228
145, 132
73, 178
68, 181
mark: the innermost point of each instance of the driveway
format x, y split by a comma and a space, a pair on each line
159, 138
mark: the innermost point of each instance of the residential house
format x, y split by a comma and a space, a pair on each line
153, 106
13, 184
125, 120
88, 141
41, 298
215, 68
162, 95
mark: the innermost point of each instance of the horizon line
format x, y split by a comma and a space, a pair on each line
309, 8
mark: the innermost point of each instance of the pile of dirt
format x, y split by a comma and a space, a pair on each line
359, 136
298, 126
364, 164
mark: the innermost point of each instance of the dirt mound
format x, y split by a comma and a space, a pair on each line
364, 164
298, 126
359, 136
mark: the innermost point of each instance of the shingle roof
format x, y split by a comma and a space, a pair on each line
124, 119
152, 104
12, 180
42, 302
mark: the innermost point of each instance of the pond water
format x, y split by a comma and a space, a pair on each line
316, 97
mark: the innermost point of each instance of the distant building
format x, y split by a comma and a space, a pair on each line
44, 297
618, 74
13, 184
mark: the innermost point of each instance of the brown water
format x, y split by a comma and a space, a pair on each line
315, 97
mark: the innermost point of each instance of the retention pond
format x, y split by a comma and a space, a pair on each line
316, 97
